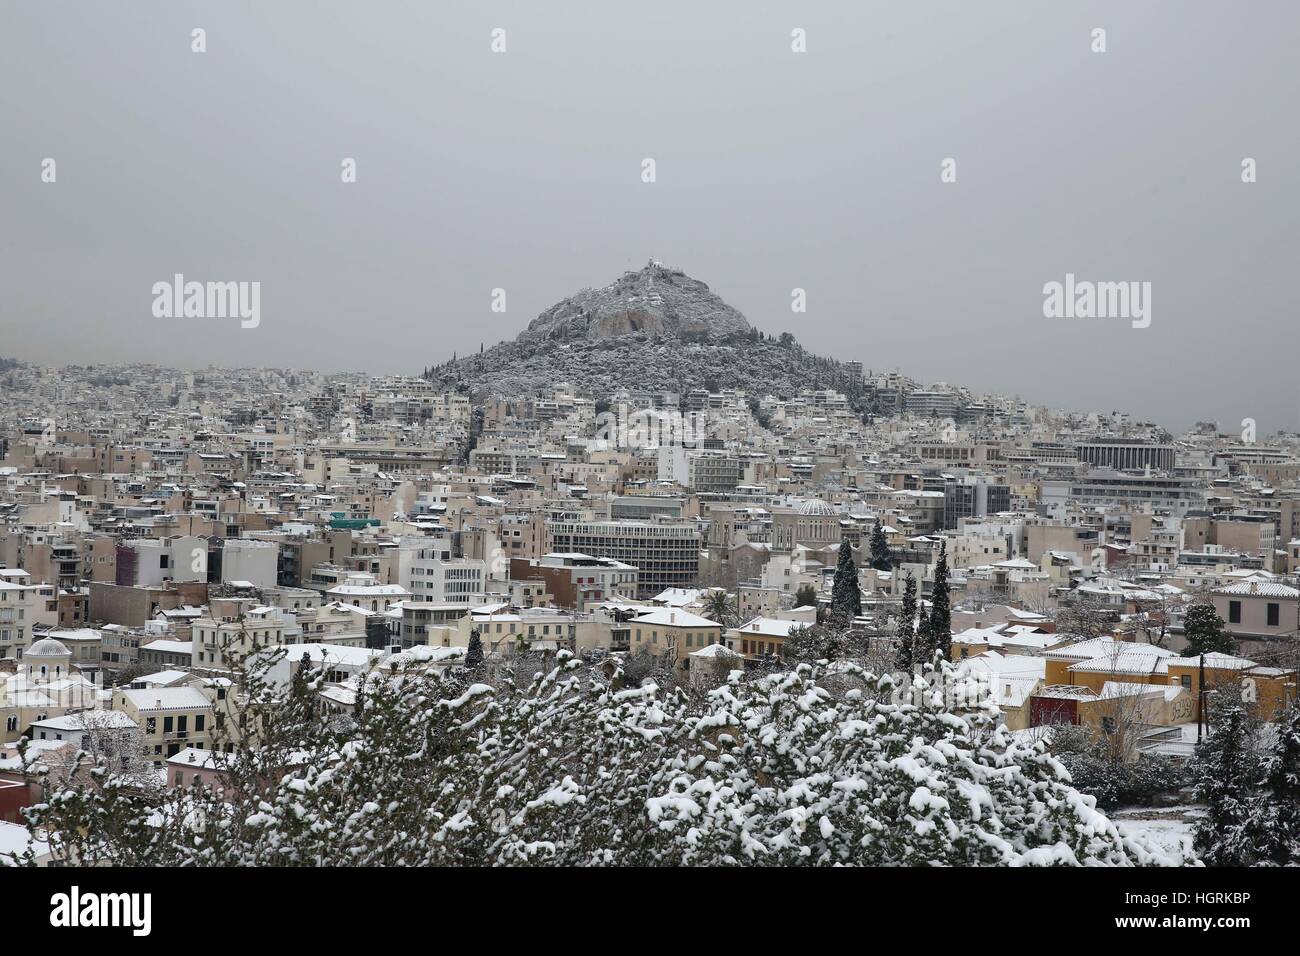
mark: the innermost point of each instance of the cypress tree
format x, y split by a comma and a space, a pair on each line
846, 594
881, 559
474, 652
940, 612
907, 626
923, 643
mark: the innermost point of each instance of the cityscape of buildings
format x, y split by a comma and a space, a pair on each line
159, 526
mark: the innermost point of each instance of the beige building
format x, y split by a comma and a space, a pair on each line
761, 637
1255, 609
220, 643
23, 605
504, 629
170, 719
672, 631
44, 685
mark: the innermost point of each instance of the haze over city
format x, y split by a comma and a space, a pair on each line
521, 171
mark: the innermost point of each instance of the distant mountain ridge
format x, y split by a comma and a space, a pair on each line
655, 329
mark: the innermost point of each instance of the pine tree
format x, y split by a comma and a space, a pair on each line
1205, 633
474, 652
881, 558
907, 627
846, 593
1276, 820
806, 596
1227, 769
940, 638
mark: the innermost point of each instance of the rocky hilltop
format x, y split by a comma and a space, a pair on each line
652, 330
656, 301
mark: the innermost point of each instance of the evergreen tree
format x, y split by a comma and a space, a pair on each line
940, 638
923, 642
1205, 633
1277, 816
881, 558
781, 770
1227, 769
846, 593
806, 596
907, 627
474, 653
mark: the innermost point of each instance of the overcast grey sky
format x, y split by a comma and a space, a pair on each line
775, 170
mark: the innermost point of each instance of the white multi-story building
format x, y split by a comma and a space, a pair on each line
429, 571
23, 605
256, 562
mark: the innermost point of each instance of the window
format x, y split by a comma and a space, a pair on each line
198, 723
1186, 680
1274, 614
150, 725
1234, 612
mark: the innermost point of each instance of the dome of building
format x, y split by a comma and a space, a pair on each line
48, 647
815, 506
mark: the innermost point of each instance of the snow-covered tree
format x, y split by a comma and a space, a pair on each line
1227, 772
805, 766
1205, 633
1277, 813
474, 651
846, 592
940, 629
906, 634
881, 557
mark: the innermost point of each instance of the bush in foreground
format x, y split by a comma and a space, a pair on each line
576, 770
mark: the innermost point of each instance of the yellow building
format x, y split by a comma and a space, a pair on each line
763, 636
1092, 665
170, 719
667, 630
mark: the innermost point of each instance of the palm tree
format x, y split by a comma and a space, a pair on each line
718, 607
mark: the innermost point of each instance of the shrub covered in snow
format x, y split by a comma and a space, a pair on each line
1116, 783
574, 769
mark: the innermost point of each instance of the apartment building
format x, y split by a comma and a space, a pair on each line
665, 555
170, 719
220, 643
23, 606
575, 580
